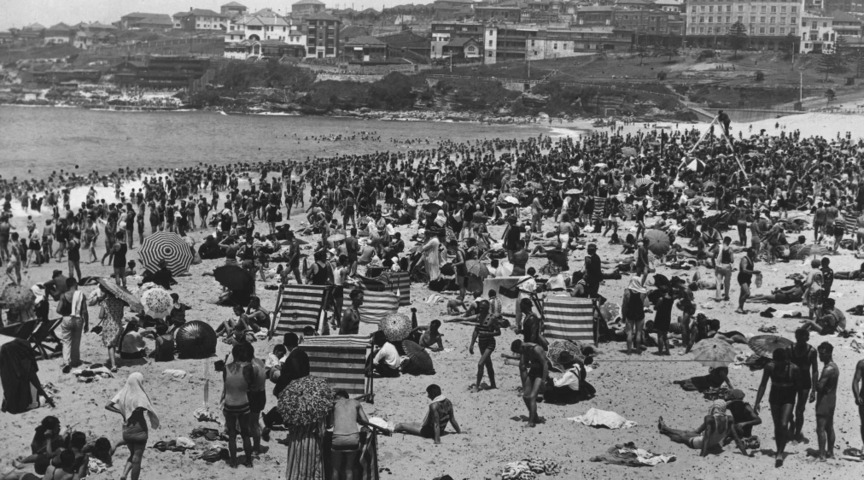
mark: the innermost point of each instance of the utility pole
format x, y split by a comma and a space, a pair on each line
801, 87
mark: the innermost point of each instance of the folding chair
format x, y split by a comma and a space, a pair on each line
343, 361
43, 337
297, 307
21, 330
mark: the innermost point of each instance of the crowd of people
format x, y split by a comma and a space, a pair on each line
553, 198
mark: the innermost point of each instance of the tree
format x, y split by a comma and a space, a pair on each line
737, 37
831, 63
671, 52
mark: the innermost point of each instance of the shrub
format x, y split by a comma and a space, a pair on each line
760, 76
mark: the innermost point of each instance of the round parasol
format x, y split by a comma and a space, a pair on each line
714, 353
599, 165
764, 345
234, 278
396, 327
110, 286
573, 191
336, 237
168, 247
419, 362
477, 268
696, 166
17, 297
611, 311
557, 347
305, 401
658, 242
157, 302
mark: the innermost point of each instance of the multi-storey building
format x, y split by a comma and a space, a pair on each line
322, 35
262, 25
231, 9
817, 34
198, 19
770, 24
304, 8
504, 42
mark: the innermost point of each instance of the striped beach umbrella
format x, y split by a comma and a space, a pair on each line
168, 247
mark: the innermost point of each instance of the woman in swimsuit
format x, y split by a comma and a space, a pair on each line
784, 389
484, 334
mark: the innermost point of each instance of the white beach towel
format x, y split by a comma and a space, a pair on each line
603, 418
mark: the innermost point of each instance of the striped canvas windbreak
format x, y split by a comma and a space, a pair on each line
376, 305
394, 282
299, 307
341, 360
569, 318
599, 208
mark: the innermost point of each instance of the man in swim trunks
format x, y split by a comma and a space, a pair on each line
715, 428
346, 415
533, 368
826, 401
858, 393
802, 355
439, 415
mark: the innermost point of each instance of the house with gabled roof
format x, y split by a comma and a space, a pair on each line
58, 34
198, 19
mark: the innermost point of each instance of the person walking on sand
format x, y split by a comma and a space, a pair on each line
134, 405
485, 332
238, 376
533, 370
746, 270
784, 389
803, 355
826, 401
723, 269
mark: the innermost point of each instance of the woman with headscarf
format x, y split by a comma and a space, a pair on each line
633, 311
134, 405
21, 385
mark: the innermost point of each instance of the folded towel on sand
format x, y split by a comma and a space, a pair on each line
631, 456
603, 418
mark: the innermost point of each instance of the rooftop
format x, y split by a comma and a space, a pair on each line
365, 40
234, 4
322, 17
308, 2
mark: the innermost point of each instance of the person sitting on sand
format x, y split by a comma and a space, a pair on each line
829, 319
387, 360
533, 370
429, 337
46, 443
572, 386
742, 412
439, 415
715, 428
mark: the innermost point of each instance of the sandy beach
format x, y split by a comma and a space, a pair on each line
638, 387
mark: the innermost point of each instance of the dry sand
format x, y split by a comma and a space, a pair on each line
637, 387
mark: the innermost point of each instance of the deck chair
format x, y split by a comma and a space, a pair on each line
342, 360
44, 340
299, 306
21, 330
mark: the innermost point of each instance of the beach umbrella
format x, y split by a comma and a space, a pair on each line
557, 347
573, 191
629, 151
511, 200
234, 278
419, 362
17, 298
110, 286
658, 242
305, 401
643, 181
396, 327
168, 247
714, 353
696, 166
157, 302
335, 238
764, 345
477, 268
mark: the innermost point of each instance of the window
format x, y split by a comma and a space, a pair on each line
702, 8
771, 30
490, 43
824, 24
772, 19
794, 9
740, 8
783, 9
741, 19
773, 9
762, 30
752, 19
782, 30
701, 30
728, 19
710, 8
555, 46
489, 54
792, 31
762, 9
761, 19
710, 19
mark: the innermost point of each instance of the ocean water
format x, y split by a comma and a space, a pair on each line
34, 141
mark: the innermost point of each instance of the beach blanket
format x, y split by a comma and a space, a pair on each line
341, 360
376, 305
569, 318
299, 306
603, 418
529, 468
631, 456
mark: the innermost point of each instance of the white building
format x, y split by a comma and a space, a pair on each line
817, 34
261, 25
770, 23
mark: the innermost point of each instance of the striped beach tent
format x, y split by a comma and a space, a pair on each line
342, 361
599, 208
570, 318
394, 282
376, 305
298, 307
